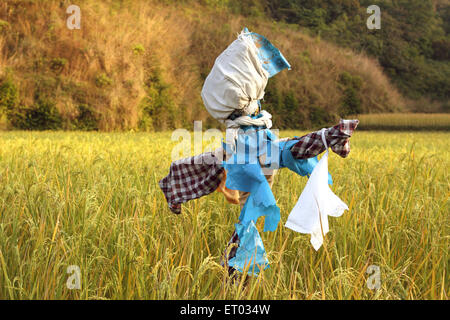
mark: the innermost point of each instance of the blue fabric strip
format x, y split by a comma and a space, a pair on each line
251, 253
271, 58
303, 167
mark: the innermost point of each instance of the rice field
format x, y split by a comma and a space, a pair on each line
91, 200
405, 121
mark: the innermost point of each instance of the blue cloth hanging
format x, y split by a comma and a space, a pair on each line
251, 253
244, 173
255, 207
303, 167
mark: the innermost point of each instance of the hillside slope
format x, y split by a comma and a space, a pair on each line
141, 65
412, 44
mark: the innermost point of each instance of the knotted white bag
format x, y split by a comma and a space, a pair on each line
236, 81
316, 203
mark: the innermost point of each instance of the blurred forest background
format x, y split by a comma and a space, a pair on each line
141, 64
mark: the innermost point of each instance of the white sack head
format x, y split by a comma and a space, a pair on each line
236, 81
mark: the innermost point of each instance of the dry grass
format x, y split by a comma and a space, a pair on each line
104, 45
183, 41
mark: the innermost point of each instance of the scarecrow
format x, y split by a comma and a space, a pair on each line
243, 169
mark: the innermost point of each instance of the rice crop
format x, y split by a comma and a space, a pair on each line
92, 200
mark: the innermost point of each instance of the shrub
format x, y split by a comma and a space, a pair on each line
351, 102
102, 80
320, 117
146, 123
42, 116
3, 25
58, 64
138, 49
441, 49
305, 58
8, 96
290, 110
87, 118
158, 106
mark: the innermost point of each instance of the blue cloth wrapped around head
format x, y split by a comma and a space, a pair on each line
271, 58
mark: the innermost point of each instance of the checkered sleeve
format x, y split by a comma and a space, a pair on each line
191, 178
337, 138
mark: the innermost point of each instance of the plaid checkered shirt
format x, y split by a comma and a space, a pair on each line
191, 178
337, 138
194, 177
